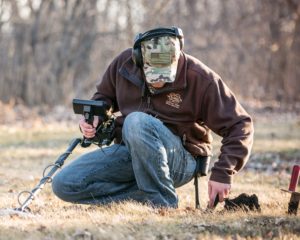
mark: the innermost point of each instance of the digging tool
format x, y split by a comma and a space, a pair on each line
295, 196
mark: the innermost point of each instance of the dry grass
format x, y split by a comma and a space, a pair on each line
25, 152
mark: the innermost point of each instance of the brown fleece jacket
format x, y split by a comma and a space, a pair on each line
196, 103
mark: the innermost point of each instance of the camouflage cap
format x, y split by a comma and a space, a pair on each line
160, 57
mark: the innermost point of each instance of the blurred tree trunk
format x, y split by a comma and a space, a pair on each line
52, 51
274, 85
292, 83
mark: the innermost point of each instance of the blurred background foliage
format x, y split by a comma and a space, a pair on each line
54, 50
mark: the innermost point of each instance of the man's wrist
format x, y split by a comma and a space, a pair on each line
221, 177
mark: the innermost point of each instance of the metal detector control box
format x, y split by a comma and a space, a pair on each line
90, 108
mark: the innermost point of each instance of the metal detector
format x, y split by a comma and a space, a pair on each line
104, 136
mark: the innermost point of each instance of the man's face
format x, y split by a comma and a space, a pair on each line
160, 57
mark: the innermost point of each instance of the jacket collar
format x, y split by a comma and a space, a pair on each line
136, 75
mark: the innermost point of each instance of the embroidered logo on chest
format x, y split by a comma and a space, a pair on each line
174, 100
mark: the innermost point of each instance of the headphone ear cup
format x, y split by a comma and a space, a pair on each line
179, 35
136, 51
137, 57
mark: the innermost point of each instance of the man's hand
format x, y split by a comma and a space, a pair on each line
217, 188
88, 130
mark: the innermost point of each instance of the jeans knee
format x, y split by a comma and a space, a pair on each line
58, 186
133, 124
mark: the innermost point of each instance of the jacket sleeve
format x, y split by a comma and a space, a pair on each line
224, 115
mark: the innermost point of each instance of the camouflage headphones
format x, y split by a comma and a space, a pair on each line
156, 32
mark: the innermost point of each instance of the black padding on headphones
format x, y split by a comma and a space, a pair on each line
156, 32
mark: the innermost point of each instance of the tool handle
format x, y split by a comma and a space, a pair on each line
294, 178
216, 200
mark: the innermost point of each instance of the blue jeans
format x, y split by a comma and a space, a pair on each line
147, 169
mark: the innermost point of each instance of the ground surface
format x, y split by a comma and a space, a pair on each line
27, 147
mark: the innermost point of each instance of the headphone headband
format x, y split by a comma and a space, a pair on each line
157, 32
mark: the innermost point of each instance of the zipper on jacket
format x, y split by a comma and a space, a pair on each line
183, 139
148, 101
